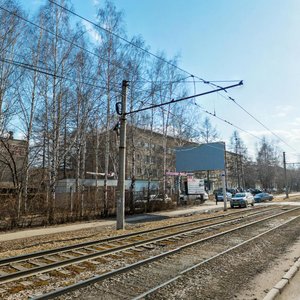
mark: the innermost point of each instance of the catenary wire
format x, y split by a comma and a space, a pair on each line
62, 38
136, 46
35, 69
258, 121
149, 53
76, 45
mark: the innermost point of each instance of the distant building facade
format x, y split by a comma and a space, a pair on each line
12, 161
149, 156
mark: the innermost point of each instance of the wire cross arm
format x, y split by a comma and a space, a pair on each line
118, 108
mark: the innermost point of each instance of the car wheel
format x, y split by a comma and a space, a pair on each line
231, 206
252, 204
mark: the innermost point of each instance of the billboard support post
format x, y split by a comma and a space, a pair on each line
224, 191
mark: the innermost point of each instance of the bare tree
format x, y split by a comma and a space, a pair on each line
11, 30
110, 51
267, 161
208, 133
55, 92
239, 152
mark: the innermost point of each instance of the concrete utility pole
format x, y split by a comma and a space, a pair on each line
122, 164
285, 177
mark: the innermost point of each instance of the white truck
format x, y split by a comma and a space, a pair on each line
192, 189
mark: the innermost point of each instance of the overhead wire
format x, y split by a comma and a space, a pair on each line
92, 53
46, 70
119, 37
135, 45
76, 45
32, 68
258, 121
63, 38
36, 69
227, 122
212, 83
215, 116
196, 131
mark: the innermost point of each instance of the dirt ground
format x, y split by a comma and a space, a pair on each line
260, 284
264, 281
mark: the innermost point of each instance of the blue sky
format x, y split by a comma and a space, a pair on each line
257, 41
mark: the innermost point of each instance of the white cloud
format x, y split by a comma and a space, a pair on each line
95, 36
282, 111
289, 139
295, 122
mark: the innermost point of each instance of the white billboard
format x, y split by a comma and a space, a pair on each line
195, 186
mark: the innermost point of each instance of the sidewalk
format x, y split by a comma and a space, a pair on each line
288, 287
291, 290
149, 217
208, 206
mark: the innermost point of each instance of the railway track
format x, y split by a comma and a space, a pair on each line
132, 245
161, 290
37, 262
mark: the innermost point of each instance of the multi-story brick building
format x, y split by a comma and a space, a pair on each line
149, 156
12, 160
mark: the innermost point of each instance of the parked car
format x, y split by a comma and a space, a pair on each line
255, 191
221, 197
161, 197
263, 197
145, 199
232, 191
242, 200
193, 197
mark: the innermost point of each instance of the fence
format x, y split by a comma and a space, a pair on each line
87, 204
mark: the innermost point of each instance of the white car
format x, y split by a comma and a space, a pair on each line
193, 197
242, 200
161, 197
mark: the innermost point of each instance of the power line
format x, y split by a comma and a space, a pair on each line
208, 81
211, 82
207, 112
215, 116
35, 69
76, 45
227, 122
119, 37
62, 38
92, 53
258, 121
136, 46
188, 126
184, 98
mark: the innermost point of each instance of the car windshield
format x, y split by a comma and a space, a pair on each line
240, 195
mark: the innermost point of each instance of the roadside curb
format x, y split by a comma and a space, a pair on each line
286, 278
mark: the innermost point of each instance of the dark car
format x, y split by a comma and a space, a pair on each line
232, 191
255, 191
260, 197
221, 198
